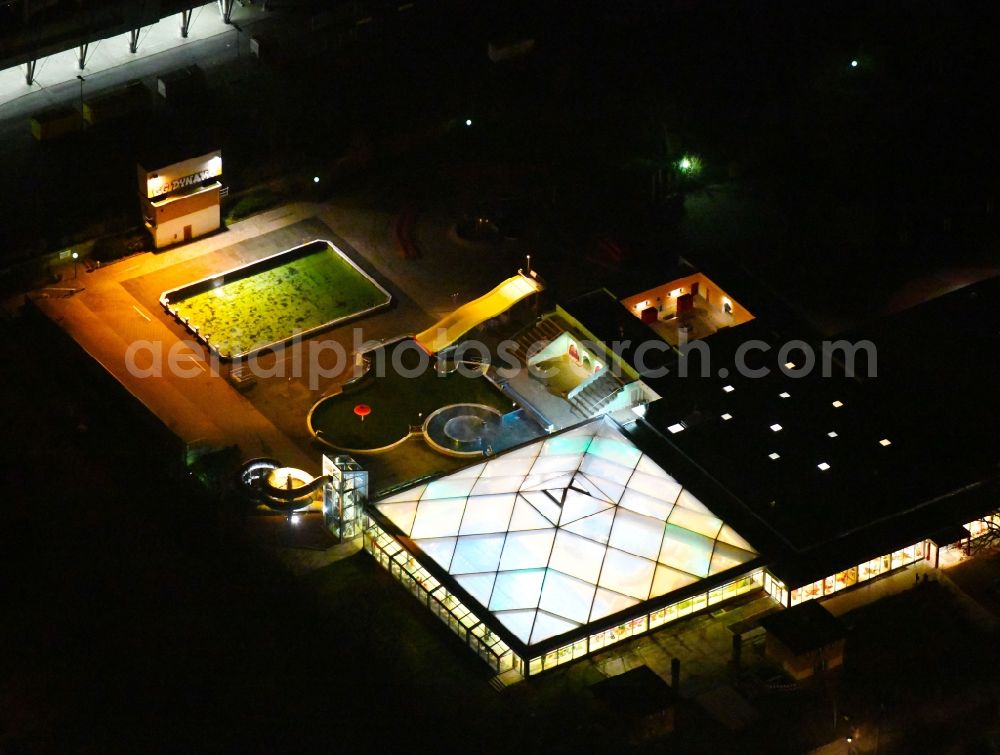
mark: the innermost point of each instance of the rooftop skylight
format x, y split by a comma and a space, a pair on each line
565, 531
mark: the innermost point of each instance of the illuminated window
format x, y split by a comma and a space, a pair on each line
789, 365
832, 434
676, 427
823, 466
774, 455
837, 404
775, 427
784, 394
728, 388
727, 416
885, 442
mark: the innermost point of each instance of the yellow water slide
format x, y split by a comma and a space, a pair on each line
453, 326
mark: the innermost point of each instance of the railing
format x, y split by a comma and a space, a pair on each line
589, 382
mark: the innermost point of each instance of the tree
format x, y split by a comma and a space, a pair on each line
989, 538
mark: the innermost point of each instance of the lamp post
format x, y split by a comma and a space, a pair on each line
81, 99
76, 257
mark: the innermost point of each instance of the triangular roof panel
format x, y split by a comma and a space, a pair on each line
595, 527
440, 549
577, 505
400, 513
476, 553
547, 625
607, 602
479, 586
488, 513
517, 589
527, 517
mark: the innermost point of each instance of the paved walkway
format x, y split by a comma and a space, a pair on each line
876, 589
304, 544
105, 318
448, 274
117, 306
903, 580
703, 643
837, 747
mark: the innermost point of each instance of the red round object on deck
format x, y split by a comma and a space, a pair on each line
362, 410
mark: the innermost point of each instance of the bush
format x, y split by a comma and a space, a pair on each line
110, 248
251, 203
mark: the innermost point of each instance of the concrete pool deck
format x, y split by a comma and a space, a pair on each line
105, 318
118, 304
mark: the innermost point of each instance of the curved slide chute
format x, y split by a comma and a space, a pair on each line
453, 326
280, 488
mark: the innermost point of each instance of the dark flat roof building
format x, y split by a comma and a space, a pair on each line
760, 459
822, 470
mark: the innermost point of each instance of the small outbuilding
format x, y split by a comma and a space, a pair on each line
180, 199
804, 639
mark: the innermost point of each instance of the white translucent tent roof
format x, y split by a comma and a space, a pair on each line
566, 531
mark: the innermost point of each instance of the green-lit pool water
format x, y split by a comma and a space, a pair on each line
270, 301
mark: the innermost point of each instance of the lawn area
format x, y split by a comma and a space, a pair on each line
251, 203
269, 302
397, 401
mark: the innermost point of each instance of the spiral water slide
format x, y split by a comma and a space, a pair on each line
277, 487
453, 326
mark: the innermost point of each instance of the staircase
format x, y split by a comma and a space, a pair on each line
596, 394
502, 681
538, 336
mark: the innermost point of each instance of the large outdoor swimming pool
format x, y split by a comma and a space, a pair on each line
270, 301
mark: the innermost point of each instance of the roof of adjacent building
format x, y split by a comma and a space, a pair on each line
804, 628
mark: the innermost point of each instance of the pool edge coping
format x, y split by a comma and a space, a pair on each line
301, 335
447, 451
